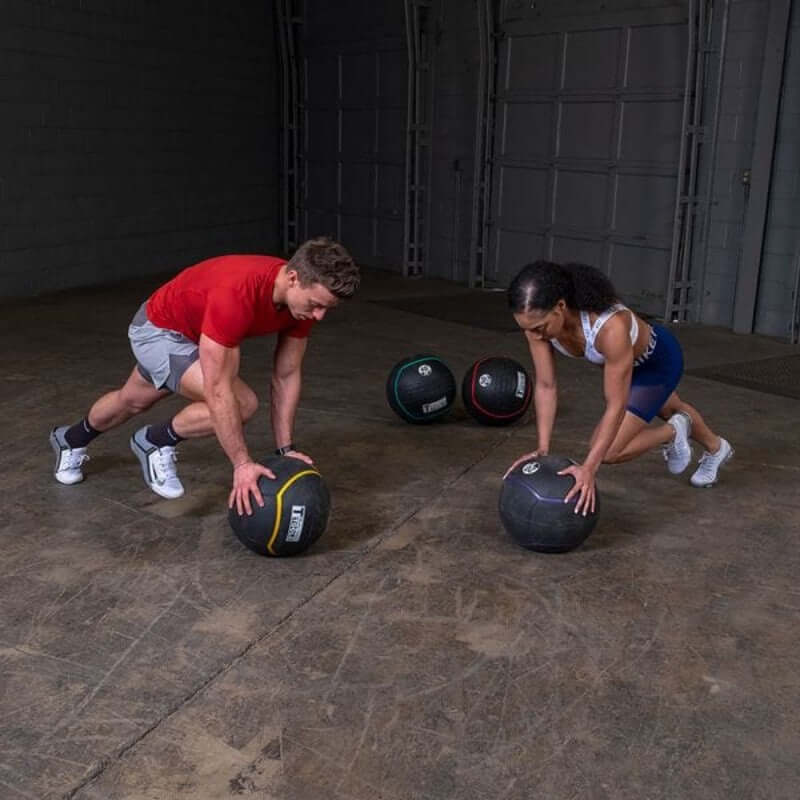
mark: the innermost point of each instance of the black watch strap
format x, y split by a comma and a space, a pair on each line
282, 451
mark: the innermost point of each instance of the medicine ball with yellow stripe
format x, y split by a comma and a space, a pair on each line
294, 514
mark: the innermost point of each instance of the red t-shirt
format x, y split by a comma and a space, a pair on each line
228, 298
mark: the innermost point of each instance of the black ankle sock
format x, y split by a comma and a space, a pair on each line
80, 434
163, 435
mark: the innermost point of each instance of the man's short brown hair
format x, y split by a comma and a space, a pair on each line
324, 261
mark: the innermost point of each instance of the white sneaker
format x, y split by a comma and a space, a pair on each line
68, 459
678, 453
708, 469
158, 465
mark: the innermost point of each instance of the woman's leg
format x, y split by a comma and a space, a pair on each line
700, 431
634, 437
718, 451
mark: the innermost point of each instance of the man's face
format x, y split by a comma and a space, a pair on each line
308, 302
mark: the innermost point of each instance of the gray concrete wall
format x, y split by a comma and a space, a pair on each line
137, 137
134, 138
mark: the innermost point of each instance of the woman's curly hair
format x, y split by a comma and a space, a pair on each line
540, 285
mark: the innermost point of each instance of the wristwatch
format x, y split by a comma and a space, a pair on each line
282, 451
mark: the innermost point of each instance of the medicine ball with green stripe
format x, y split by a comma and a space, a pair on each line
294, 514
420, 388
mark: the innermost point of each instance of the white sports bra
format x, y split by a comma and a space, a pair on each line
590, 334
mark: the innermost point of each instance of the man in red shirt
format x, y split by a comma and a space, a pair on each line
186, 338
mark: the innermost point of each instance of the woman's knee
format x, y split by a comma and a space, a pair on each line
612, 456
673, 405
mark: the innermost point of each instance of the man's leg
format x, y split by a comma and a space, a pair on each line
155, 445
195, 419
116, 407
70, 442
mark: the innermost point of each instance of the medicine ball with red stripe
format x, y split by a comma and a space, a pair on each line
496, 391
294, 514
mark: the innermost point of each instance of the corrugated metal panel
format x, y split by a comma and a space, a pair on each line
777, 304
355, 115
588, 135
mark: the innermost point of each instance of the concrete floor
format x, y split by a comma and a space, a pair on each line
415, 652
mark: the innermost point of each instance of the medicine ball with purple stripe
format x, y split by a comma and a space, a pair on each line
421, 388
533, 510
496, 391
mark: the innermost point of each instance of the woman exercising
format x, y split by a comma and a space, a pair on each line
574, 309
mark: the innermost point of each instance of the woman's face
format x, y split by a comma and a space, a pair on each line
543, 324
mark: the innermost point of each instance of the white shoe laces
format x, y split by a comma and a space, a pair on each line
709, 461
165, 460
73, 459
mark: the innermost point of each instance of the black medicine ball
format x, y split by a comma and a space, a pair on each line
294, 514
496, 391
533, 510
420, 388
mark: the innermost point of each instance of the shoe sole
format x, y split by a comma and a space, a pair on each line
142, 459
716, 480
57, 450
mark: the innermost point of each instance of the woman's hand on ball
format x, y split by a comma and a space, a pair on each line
245, 483
584, 486
301, 456
526, 457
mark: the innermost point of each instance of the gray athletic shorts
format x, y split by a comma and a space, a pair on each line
162, 355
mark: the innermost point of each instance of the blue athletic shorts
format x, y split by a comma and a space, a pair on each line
656, 377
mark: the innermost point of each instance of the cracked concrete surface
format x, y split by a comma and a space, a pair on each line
415, 652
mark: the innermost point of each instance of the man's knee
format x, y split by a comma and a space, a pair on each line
248, 402
135, 403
